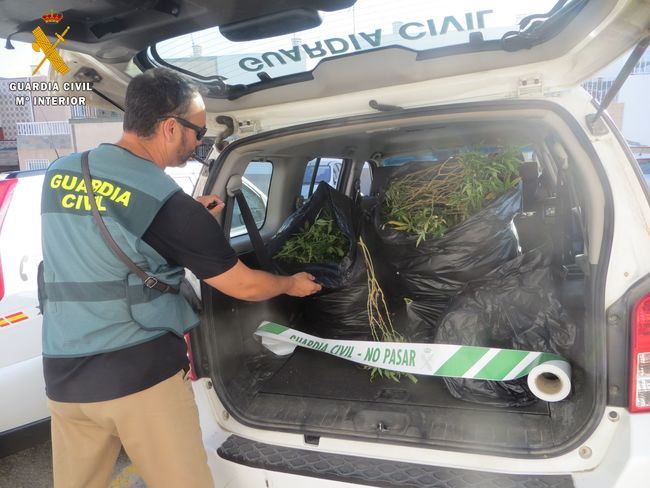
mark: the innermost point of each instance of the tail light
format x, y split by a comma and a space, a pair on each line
6, 191
192, 372
640, 359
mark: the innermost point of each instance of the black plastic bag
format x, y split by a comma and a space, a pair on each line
423, 315
339, 310
514, 307
430, 274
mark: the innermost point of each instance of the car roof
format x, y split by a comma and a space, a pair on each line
21, 174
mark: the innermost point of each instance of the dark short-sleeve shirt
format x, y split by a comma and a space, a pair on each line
185, 234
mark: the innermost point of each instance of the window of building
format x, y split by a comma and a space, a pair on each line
598, 87
82, 112
37, 163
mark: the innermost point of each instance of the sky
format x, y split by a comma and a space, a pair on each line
19, 61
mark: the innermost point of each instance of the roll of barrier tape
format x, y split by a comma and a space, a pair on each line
549, 375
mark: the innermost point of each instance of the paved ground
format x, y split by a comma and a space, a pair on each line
32, 468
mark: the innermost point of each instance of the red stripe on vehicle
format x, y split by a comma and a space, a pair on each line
19, 314
18, 319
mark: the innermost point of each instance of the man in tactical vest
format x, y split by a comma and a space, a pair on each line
113, 349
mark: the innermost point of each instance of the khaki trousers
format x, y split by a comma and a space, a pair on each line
158, 427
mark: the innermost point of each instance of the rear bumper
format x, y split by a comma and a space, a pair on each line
615, 456
339, 468
626, 462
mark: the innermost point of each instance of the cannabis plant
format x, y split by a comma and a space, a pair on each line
429, 201
321, 241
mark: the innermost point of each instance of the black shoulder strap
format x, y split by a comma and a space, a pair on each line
149, 281
253, 233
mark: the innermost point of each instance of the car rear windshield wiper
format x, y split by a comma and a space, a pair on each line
537, 28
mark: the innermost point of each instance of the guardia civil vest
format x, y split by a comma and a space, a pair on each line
91, 301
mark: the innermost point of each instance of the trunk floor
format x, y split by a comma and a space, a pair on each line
309, 373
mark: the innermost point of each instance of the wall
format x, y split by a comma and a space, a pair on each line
631, 106
43, 147
51, 114
635, 95
10, 113
88, 135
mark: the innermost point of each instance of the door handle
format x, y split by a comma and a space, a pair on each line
21, 271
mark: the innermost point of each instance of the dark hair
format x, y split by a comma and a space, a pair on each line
154, 94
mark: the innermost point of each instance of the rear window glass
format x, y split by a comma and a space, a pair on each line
329, 170
256, 183
370, 24
366, 179
432, 156
323, 174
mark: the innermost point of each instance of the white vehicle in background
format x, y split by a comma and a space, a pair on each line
327, 170
24, 417
187, 176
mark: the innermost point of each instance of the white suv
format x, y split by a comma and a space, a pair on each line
377, 84
21, 371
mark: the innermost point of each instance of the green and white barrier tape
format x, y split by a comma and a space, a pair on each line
549, 375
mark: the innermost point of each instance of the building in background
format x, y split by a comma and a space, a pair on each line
631, 107
34, 136
31, 137
10, 116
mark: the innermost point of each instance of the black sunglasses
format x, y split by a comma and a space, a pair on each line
200, 131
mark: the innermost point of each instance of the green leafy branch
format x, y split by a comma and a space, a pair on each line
381, 325
429, 201
319, 242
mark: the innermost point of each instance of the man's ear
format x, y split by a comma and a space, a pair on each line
168, 129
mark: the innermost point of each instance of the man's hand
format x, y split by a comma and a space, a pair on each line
303, 284
213, 203
254, 285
